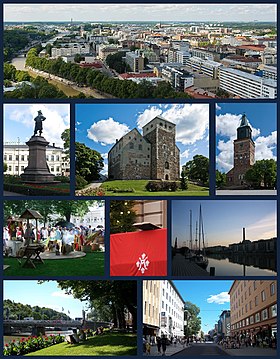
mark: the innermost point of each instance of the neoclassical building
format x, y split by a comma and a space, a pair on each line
153, 155
244, 154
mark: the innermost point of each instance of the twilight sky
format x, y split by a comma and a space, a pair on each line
99, 125
262, 118
140, 12
224, 219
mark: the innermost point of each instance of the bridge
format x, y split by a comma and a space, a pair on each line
39, 326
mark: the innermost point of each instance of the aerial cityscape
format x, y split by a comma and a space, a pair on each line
128, 55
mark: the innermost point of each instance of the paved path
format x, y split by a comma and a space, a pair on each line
202, 349
184, 267
93, 185
250, 351
7, 193
251, 192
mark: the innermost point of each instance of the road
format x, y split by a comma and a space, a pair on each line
201, 349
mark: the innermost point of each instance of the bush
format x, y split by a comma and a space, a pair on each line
36, 190
10, 179
80, 182
157, 186
124, 190
62, 179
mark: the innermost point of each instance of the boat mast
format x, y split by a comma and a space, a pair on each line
199, 229
190, 229
196, 229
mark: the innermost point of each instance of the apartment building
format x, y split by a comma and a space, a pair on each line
253, 307
152, 211
206, 67
70, 50
163, 309
135, 61
246, 85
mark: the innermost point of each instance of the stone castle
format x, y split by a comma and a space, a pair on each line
244, 154
153, 155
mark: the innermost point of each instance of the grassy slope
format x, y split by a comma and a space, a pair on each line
139, 187
91, 264
108, 344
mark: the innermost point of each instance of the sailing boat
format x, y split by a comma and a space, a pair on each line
190, 254
200, 258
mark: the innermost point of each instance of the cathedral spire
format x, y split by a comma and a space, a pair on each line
244, 130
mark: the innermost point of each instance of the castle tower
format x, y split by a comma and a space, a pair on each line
165, 155
244, 154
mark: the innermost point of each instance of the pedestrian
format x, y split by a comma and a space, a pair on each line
163, 344
158, 344
148, 348
144, 344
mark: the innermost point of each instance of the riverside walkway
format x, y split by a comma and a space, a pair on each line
184, 267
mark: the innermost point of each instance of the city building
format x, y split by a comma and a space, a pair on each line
224, 324
178, 78
163, 309
244, 154
253, 307
246, 85
135, 61
16, 159
70, 50
154, 212
94, 218
153, 155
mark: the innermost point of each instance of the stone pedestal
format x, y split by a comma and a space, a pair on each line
37, 170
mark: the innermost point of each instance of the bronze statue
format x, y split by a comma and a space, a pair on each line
39, 123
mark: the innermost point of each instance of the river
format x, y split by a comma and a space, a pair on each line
223, 267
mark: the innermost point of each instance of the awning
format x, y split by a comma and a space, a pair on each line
150, 326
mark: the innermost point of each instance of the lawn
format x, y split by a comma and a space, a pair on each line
138, 187
112, 344
92, 264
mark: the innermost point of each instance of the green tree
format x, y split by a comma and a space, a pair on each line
65, 136
5, 167
119, 295
68, 208
184, 181
197, 169
122, 216
262, 174
89, 162
220, 179
78, 58
191, 318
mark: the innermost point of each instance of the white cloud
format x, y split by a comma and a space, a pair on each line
104, 155
218, 107
220, 298
57, 118
61, 294
185, 154
107, 131
226, 126
105, 169
192, 120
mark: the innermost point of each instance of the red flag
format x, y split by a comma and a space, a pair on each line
141, 253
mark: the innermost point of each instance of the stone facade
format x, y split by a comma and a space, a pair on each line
244, 155
151, 156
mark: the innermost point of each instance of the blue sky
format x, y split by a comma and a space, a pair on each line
140, 12
262, 118
47, 295
19, 121
211, 296
223, 220
99, 125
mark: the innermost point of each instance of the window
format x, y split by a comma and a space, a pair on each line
52, 169
256, 301
57, 169
52, 157
272, 288
263, 296
22, 168
17, 157
145, 308
10, 157
16, 168
264, 314
247, 321
5, 158
22, 157
140, 147
252, 319
9, 168
166, 165
257, 317
131, 145
273, 309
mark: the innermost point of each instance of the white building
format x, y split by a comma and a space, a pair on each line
163, 308
70, 50
94, 218
16, 157
245, 85
207, 67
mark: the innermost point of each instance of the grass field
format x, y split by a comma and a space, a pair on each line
92, 264
112, 344
139, 189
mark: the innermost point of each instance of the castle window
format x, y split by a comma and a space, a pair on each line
131, 145
160, 124
129, 137
148, 156
166, 166
135, 161
140, 147
152, 126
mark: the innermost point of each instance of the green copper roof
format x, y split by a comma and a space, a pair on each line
244, 121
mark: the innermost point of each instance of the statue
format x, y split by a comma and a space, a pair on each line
38, 123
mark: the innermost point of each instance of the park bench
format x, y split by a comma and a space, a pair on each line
27, 255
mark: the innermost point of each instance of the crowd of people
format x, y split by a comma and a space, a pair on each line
54, 238
245, 342
161, 343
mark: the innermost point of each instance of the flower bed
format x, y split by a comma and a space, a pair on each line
31, 344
